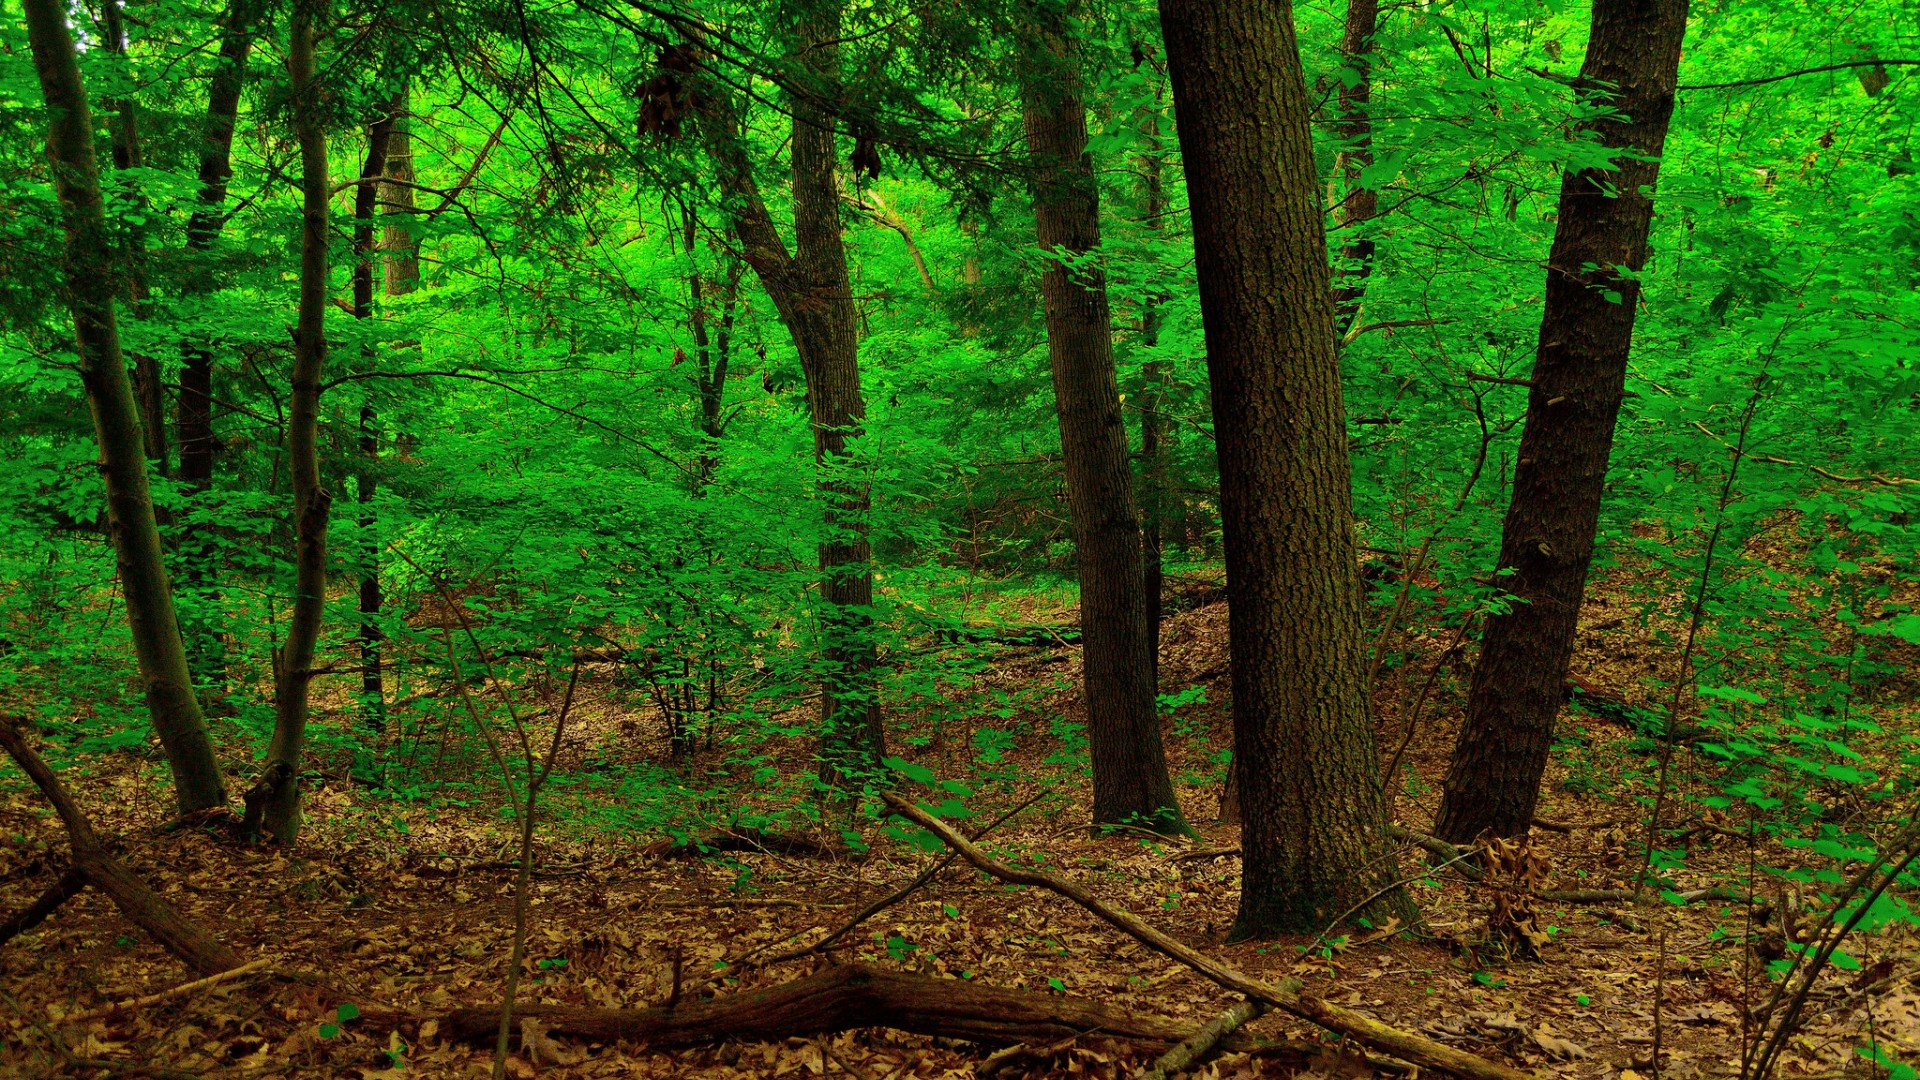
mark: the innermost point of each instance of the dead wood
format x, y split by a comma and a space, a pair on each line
838, 999
183, 990
1198, 1045
746, 840
65, 888
1360, 1027
200, 950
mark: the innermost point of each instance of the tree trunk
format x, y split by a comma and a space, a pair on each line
814, 296
1360, 203
1156, 435
403, 253
366, 198
274, 804
1130, 781
194, 424
90, 285
147, 387
1579, 377
1303, 744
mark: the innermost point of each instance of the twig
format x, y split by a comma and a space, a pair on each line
168, 995
1362, 1028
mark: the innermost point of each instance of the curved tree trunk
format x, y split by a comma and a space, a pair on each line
1303, 744
1579, 377
1130, 781
90, 285
274, 804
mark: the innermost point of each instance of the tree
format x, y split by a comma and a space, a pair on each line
1130, 781
1579, 379
813, 293
1356, 132
274, 803
366, 198
1303, 745
90, 283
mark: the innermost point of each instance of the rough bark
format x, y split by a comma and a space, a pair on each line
1130, 781
813, 294
837, 999
89, 286
373, 704
93, 862
1356, 132
1304, 753
274, 804
1579, 378
402, 270
194, 422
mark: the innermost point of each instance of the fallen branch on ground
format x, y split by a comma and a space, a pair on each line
1360, 1027
837, 999
136, 900
168, 995
1199, 1044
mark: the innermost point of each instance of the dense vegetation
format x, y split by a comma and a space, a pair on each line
1330, 436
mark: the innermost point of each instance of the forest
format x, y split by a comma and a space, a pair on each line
908, 539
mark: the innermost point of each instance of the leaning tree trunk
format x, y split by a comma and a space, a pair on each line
813, 293
198, 548
1130, 781
148, 390
274, 804
1579, 378
90, 283
366, 199
1303, 745
1360, 202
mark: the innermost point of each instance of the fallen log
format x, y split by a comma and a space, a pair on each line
92, 861
1360, 1027
835, 999
1193, 1048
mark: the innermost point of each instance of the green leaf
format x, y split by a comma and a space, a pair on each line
347, 1012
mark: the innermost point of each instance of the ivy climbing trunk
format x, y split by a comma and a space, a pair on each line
813, 294
366, 199
90, 283
273, 806
1303, 744
1130, 781
1579, 378
198, 550
1360, 203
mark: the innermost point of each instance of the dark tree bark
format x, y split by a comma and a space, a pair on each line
274, 803
1130, 781
1303, 744
90, 284
712, 345
366, 198
1156, 434
1356, 131
813, 293
1579, 378
147, 387
194, 422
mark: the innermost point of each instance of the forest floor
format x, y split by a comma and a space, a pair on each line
411, 908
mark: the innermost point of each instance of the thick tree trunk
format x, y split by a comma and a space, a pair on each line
1130, 781
840, 998
366, 198
1360, 203
90, 283
198, 556
814, 296
1579, 378
1303, 744
274, 804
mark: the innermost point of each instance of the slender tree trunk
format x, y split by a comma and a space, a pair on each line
813, 293
366, 198
1303, 744
402, 269
147, 388
1356, 131
274, 804
198, 549
1130, 781
1579, 378
1156, 435
90, 284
